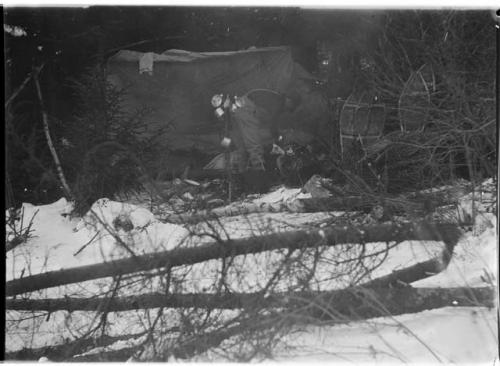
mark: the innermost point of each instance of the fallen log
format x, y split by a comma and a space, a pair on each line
120, 355
342, 203
61, 352
195, 344
414, 273
143, 301
406, 299
363, 303
394, 205
225, 211
448, 233
338, 306
305, 205
204, 342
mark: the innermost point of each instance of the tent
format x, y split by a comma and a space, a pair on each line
176, 87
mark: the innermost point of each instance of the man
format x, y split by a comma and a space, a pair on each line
254, 127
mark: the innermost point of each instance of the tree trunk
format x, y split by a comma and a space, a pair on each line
299, 205
395, 299
364, 303
21, 87
225, 211
337, 306
420, 204
53, 151
448, 233
414, 273
62, 352
120, 355
195, 344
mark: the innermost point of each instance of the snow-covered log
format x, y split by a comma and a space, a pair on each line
120, 355
295, 205
225, 211
447, 233
416, 205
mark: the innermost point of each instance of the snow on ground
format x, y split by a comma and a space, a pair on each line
475, 258
137, 228
446, 335
60, 241
281, 194
474, 262
53, 241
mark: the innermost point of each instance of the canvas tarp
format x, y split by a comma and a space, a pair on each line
176, 87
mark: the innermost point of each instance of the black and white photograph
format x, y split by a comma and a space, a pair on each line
248, 183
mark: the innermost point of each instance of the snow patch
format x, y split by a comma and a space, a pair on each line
474, 262
282, 194
446, 335
104, 212
59, 241
120, 229
450, 335
453, 334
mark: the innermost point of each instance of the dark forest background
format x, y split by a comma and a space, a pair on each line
71, 43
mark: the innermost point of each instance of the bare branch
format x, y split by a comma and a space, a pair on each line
47, 135
21, 87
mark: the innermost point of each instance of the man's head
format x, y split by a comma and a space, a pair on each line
220, 104
217, 100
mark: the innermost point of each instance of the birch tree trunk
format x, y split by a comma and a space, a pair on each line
53, 151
